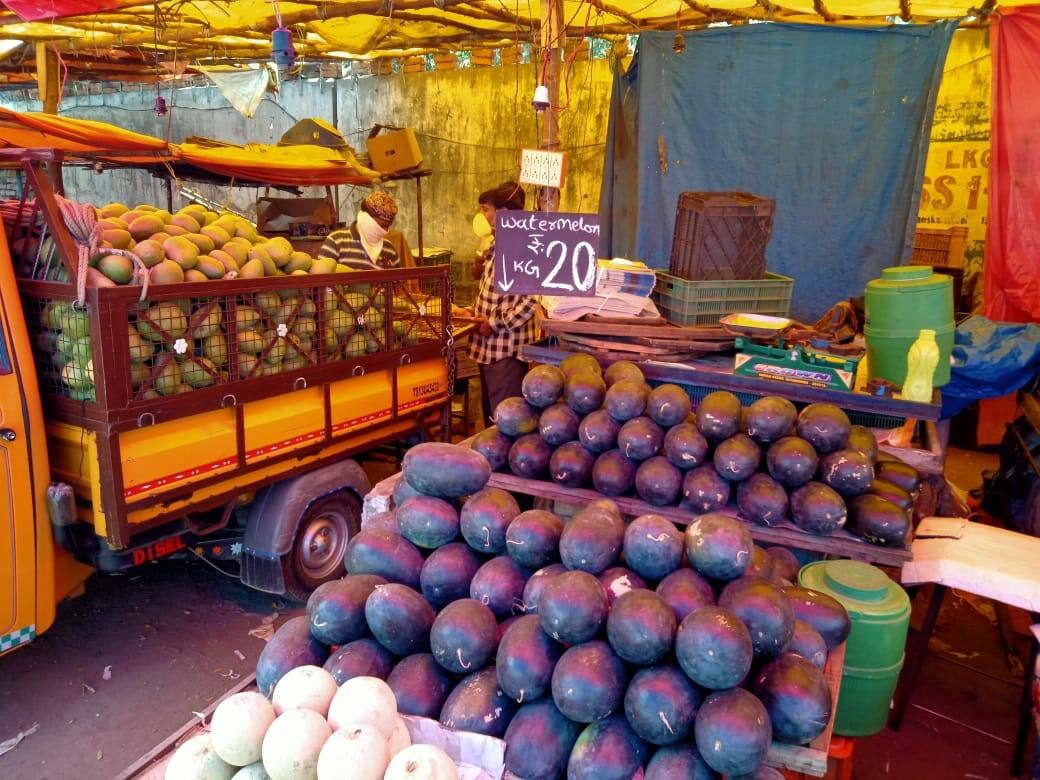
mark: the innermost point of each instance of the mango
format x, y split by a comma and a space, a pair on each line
226, 222
356, 345
253, 269
246, 230
212, 269
145, 207
159, 237
323, 265
250, 342
198, 372
300, 261
298, 345
112, 224
204, 243
206, 320
276, 353
261, 254
139, 373
150, 395
216, 234
112, 210
117, 268
225, 260
298, 273
161, 317
268, 302
74, 323
168, 380
196, 210
166, 272
52, 313
195, 275
246, 317
117, 239
343, 269
308, 308
150, 251
78, 376
210, 217
238, 251
145, 226
280, 250
246, 365
341, 321
175, 230
296, 362
331, 340
186, 221
140, 350
215, 348
181, 251
304, 327
162, 214
130, 216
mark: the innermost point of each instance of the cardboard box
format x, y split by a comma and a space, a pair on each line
295, 216
394, 151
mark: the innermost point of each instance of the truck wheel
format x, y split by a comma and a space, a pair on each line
320, 544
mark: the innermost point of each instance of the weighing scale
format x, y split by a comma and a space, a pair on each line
791, 363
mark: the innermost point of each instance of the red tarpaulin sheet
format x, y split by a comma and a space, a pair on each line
1012, 269
37, 10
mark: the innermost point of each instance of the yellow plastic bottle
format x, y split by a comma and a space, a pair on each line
921, 361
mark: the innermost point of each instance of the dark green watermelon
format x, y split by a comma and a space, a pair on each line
761, 564
400, 619
403, 491
737, 458
525, 660
579, 361
762, 500
445, 470
714, 648
607, 750
493, 445
588, 682
679, 762
825, 427
585, 392
849, 472
543, 386
770, 419
613, 474
640, 439
766, 612
428, 522
824, 613
539, 741
515, 417
598, 432
704, 490
785, 564
529, 457
625, 400
533, 538
718, 415
668, 405
658, 482
571, 465
499, 584
733, 732
878, 520
807, 642
292, 645
573, 607
863, 440
617, 581
384, 554
791, 461
818, 509
558, 425
899, 474
892, 492
478, 705
592, 540
718, 546
623, 370
336, 609
685, 446
536, 585
796, 696
447, 573
685, 591
661, 704
653, 547
420, 686
360, 658
464, 636
641, 627
485, 517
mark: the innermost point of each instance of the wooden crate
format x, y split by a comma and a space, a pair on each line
940, 246
482, 56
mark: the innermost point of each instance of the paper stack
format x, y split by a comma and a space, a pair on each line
623, 289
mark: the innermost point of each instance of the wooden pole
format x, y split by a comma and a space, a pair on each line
48, 77
552, 37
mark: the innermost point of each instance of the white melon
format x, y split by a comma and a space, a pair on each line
422, 762
400, 739
238, 727
252, 772
364, 701
355, 753
197, 760
305, 688
293, 743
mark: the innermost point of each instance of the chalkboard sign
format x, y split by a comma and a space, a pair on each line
542, 253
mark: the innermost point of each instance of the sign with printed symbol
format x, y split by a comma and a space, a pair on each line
539, 253
543, 168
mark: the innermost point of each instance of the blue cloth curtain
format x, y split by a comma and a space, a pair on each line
831, 122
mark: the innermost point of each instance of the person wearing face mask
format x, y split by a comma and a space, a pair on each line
364, 246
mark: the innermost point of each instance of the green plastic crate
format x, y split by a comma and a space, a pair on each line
706, 302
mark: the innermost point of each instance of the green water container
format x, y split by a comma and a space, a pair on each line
904, 300
874, 651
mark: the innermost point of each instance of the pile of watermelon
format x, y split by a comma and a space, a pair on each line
582, 427
593, 647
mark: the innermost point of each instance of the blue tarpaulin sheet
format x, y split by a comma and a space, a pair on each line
831, 122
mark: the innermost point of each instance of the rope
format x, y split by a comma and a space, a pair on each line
81, 220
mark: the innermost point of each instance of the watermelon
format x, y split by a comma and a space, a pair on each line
607, 750
485, 517
621, 370
493, 445
588, 682
571, 465
640, 438
849, 472
785, 564
539, 741
533, 538
336, 609
515, 417
598, 432
529, 457
878, 520
825, 427
824, 613
445, 470
428, 522
653, 547
625, 400
737, 458
718, 415
892, 492
618, 581
591, 540
679, 762
526, 659
384, 554
403, 491
360, 658
503, 625
499, 584
704, 490
658, 482
542, 386
796, 696
766, 612
685, 446
558, 425
714, 648
807, 642
862, 440
477, 704
718, 546
733, 732
292, 645
661, 704
573, 607
818, 509
613, 474
641, 627
399, 618
668, 405
420, 685
762, 500
585, 391
579, 361
685, 591
536, 585
899, 474
464, 636
770, 419
761, 564
791, 461
447, 574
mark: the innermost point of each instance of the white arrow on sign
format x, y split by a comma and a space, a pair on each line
504, 284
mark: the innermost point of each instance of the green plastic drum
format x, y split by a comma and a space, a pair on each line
905, 300
874, 651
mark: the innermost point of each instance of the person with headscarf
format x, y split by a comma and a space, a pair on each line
364, 246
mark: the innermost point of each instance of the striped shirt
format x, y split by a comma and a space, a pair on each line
345, 247
512, 319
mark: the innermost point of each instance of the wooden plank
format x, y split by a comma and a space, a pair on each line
634, 327
842, 543
930, 457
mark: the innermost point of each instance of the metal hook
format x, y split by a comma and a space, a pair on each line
140, 420
234, 400
297, 385
406, 359
359, 370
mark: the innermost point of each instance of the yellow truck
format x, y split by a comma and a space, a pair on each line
106, 464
